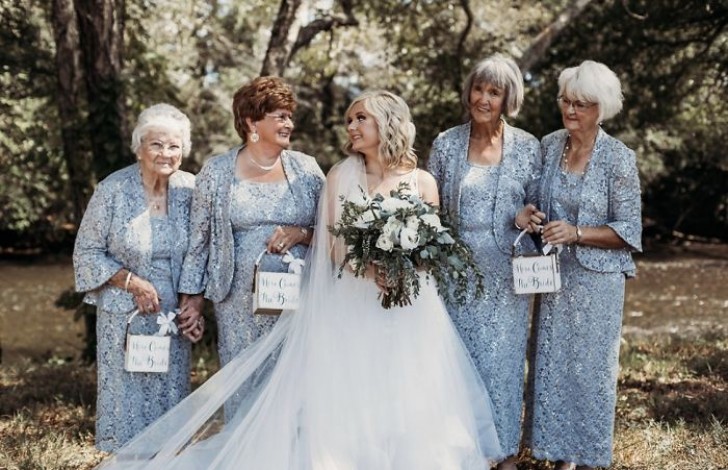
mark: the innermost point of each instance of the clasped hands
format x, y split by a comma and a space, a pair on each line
190, 321
556, 232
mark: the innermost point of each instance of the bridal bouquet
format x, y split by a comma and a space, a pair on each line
400, 235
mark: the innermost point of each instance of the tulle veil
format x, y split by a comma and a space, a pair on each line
299, 382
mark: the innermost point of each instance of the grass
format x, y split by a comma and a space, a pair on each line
672, 410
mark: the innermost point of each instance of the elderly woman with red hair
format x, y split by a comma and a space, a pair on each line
259, 195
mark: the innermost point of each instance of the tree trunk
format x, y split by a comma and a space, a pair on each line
276, 57
101, 32
281, 50
536, 51
469, 18
70, 77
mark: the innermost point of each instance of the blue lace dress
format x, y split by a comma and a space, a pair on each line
577, 352
128, 402
256, 209
494, 327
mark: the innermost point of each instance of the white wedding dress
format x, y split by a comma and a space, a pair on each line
339, 384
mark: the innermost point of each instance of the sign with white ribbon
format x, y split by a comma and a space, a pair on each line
535, 273
274, 292
149, 353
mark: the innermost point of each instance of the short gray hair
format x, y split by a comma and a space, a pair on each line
501, 71
593, 82
164, 116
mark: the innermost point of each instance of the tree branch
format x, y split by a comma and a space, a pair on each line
536, 51
457, 79
309, 32
631, 13
275, 57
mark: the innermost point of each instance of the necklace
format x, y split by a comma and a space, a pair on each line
565, 154
156, 201
264, 167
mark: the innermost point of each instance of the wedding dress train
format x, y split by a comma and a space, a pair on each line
339, 384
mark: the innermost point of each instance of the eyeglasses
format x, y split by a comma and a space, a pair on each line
281, 117
579, 106
159, 147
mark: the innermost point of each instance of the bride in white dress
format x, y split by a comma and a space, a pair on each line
354, 386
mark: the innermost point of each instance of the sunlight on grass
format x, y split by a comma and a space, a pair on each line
672, 410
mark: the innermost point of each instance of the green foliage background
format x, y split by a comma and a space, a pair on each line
671, 55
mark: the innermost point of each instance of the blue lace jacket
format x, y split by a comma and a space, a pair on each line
517, 180
116, 232
610, 196
210, 261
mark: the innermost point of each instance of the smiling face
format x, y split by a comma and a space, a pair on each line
160, 152
275, 129
486, 102
362, 129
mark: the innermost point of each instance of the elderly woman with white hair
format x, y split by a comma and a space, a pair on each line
128, 256
487, 170
590, 195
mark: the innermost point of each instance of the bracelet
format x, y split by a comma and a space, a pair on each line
126, 283
304, 231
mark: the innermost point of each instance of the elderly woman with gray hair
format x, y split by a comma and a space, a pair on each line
590, 199
487, 170
128, 256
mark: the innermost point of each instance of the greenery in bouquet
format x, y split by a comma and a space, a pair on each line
400, 235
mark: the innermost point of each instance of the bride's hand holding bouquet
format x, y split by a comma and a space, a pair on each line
396, 236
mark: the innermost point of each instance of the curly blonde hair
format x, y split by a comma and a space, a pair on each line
394, 123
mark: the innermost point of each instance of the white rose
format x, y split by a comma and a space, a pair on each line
432, 220
384, 242
391, 204
392, 227
408, 238
365, 219
413, 222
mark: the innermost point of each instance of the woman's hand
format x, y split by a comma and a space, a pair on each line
145, 295
559, 232
190, 320
530, 219
284, 238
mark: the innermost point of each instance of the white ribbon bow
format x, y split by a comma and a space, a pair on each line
167, 325
295, 265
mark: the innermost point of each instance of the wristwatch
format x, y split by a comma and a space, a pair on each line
579, 234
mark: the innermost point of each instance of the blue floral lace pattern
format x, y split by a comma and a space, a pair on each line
493, 327
128, 402
483, 202
577, 352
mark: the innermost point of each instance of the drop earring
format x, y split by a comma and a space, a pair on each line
254, 137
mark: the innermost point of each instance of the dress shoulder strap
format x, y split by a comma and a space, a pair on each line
413, 181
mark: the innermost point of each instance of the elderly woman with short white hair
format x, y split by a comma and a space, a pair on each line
590, 196
487, 170
128, 256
